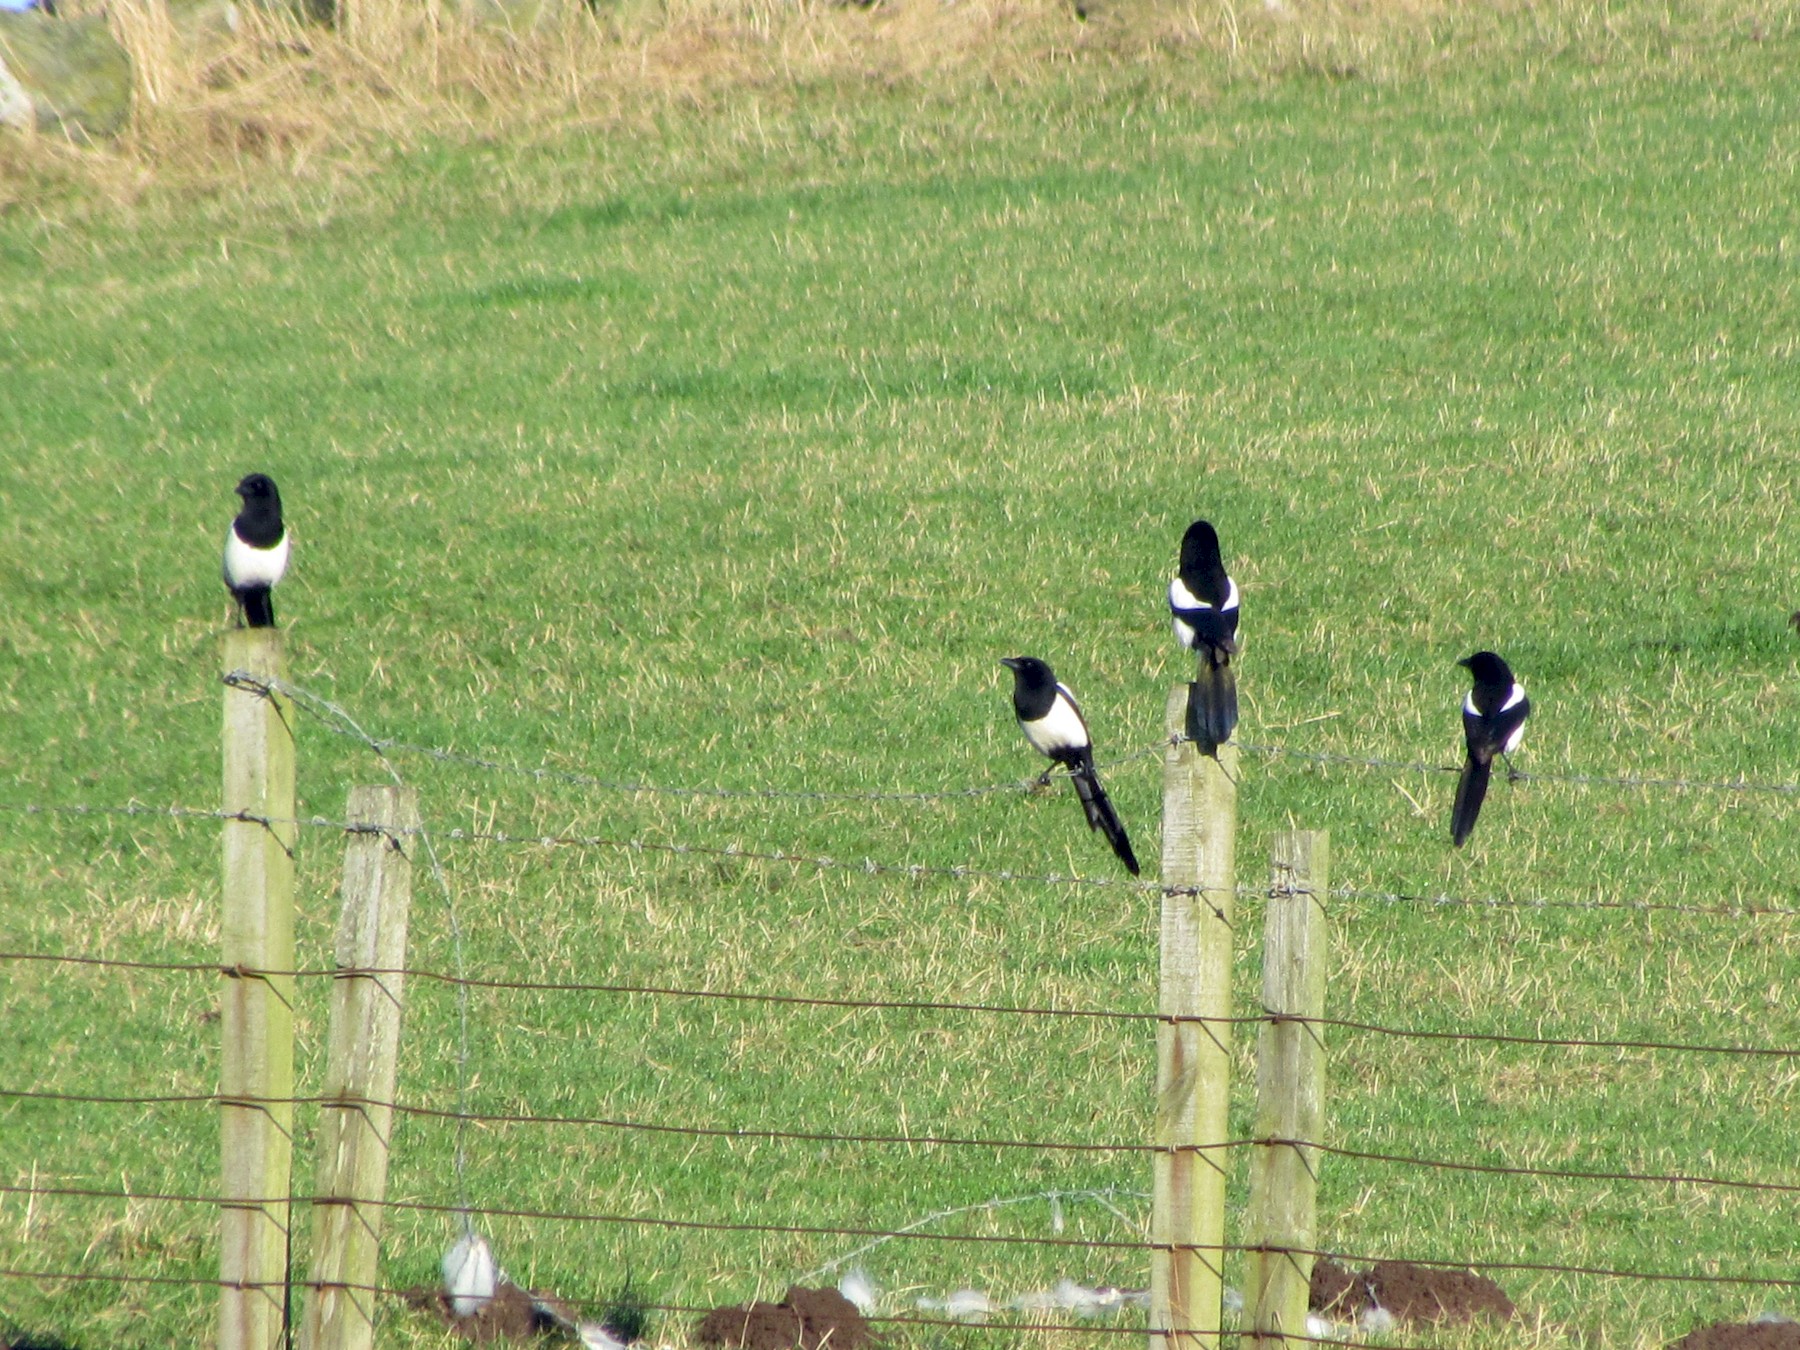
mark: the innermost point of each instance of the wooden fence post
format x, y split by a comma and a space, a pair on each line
1290, 1092
256, 1069
1193, 1059
364, 1048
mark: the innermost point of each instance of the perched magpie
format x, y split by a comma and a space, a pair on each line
256, 551
1494, 716
1204, 603
1055, 727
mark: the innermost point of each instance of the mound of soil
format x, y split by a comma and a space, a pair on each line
807, 1318
1742, 1336
1415, 1293
511, 1315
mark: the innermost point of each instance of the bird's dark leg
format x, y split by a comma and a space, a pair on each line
1512, 774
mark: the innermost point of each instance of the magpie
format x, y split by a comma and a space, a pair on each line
1052, 722
1204, 603
256, 551
1494, 716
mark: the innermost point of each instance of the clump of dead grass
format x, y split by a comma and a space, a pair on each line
271, 96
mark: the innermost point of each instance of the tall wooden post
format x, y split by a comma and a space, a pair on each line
1193, 1059
256, 1070
364, 1047
1290, 1092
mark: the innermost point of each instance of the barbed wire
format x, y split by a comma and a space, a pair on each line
522, 839
914, 871
1262, 1017
332, 717
1427, 899
1632, 781
905, 1140
1443, 900
915, 1234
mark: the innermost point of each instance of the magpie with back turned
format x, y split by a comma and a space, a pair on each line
1203, 601
1494, 716
1052, 722
256, 551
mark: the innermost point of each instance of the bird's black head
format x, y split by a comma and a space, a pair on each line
1487, 668
258, 487
1200, 549
1029, 672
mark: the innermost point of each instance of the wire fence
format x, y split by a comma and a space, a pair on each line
463, 1114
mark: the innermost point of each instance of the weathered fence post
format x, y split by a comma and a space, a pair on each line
1193, 1058
1290, 1092
364, 1047
256, 1070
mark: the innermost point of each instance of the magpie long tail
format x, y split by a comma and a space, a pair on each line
1471, 791
259, 606
1098, 808
1212, 711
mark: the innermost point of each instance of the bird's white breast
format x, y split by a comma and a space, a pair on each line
247, 565
1059, 729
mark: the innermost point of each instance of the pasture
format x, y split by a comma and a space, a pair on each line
730, 440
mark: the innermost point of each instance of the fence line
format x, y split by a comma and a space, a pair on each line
339, 722
869, 867
1440, 900
728, 852
336, 721
1083, 1243
892, 1140
333, 717
1636, 782
915, 1005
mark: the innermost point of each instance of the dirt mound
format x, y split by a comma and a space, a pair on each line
511, 1315
1415, 1293
807, 1318
1741, 1336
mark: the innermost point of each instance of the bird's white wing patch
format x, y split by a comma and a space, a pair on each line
1513, 699
1180, 597
247, 565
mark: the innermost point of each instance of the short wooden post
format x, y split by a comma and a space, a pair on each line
1290, 1092
1193, 1058
256, 1070
364, 1048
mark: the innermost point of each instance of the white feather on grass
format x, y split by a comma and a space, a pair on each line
471, 1275
596, 1337
1377, 1320
860, 1290
965, 1305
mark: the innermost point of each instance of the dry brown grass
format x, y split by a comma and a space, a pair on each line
275, 99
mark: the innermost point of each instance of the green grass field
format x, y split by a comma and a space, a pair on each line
731, 446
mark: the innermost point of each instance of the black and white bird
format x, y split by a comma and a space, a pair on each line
1204, 603
256, 551
1052, 722
1494, 716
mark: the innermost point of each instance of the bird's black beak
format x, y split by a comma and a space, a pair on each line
1010, 662
1463, 661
